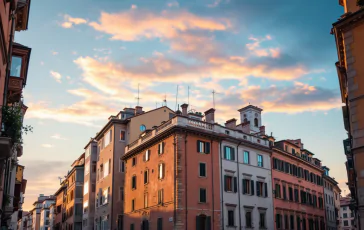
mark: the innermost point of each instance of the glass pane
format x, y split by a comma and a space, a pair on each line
15, 66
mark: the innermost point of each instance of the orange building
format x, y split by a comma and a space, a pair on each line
298, 187
349, 36
172, 177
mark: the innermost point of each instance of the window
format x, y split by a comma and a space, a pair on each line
132, 205
160, 196
87, 168
246, 157
203, 195
131, 227
284, 192
278, 191
133, 182
106, 195
344, 208
286, 223
229, 153
161, 171
290, 193
230, 184
122, 135
346, 223
345, 215
121, 166
256, 122
260, 160
231, 218
248, 219
292, 222
121, 193
278, 221
248, 187
203, 147
262, 220
159, 224
142, 128
108, 138
260, 189
146, 155
293, 151
93, 167
202, 170
146, 176
16, 63
134, 161
145, 200
106, 169
85, 188
160, 148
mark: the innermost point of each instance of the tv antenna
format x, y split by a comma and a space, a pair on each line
176, 98
213, 97
138, 98
60, 180
165, 100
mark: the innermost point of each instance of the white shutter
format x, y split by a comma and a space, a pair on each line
106, 168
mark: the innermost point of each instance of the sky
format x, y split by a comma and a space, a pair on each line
88, 58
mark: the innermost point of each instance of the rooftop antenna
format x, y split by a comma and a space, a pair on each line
165, 100
213, 97
60, 180
176, 97
188, 93
138, 98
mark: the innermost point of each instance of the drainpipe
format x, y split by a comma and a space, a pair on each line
237, 163
186, 211
213, 188
10, 50
174, 184
221, 187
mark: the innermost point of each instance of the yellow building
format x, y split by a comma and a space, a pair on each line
349, 36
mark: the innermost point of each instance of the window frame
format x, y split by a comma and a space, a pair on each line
260, 164
246, 155
199, 169
199, 196
122, 131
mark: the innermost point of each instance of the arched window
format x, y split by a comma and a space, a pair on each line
256, 122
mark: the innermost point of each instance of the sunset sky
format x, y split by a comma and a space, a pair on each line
89, 56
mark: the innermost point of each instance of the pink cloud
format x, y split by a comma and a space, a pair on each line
70, 21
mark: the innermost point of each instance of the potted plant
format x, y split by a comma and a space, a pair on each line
12, 118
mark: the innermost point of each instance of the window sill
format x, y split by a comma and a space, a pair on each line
202, 202
202, 177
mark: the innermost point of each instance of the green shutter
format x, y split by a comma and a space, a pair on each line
208, 223
198, 146
235, 184
258, 188
207, 147
198, 224
252, 187
266, 189
244, 186
232, 154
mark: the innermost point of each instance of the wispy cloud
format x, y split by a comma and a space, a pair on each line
47, 146
173, 4
58, 137
54, 52
57, 76
70, 21
134, 7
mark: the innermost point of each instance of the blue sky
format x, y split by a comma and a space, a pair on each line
89, 56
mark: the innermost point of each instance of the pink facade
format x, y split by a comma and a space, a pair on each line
298, 191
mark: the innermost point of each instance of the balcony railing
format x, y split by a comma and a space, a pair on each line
15, 87
201, 125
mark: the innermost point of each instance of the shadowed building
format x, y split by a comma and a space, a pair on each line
349, 36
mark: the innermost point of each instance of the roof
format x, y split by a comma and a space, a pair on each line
92, 140
60, 190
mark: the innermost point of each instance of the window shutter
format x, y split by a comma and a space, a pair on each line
274, 163
162, 147
159, 224
198, 146
235, 184
208, 223
244, 186
252, 187
225, 152
225, 183
207, 147
258, 188
266, 189
159, 149
232, 152
198, 224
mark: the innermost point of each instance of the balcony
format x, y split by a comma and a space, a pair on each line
5, 147
22, 16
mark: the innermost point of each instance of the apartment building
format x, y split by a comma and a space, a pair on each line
298, 187
30, 220
89, 186
346, 214
59, 212
246, 185
45, 213
332, 213
34, 219
52, 214
15, 57
337, 196
73, 207
23, 221
120, 130
349, 34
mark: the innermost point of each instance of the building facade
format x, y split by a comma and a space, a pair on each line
337, 196
89, 186
298, 187
349, 33
59, 213
330, 197
246, 184
347, 220
45, 213
120, 130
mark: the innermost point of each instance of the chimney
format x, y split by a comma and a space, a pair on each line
138, 110
184, 109
210, 115
262, 130
231, 123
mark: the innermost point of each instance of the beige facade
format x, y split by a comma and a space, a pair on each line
120, 130
349, 35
